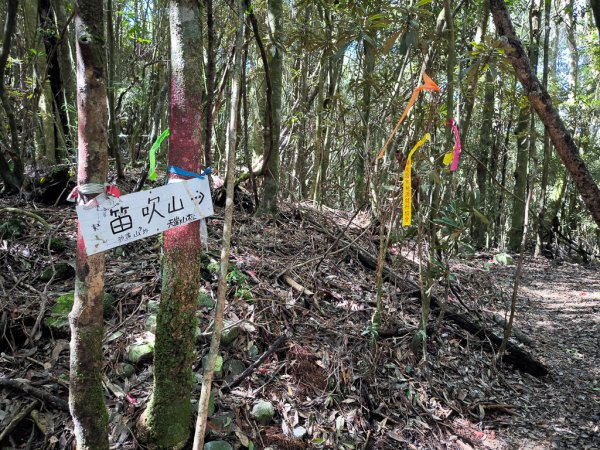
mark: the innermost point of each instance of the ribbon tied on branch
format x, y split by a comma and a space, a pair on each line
429, 85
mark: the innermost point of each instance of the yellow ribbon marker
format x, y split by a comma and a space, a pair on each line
429, 85
448, 157
407, 184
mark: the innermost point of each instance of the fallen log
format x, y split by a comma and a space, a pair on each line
514, 354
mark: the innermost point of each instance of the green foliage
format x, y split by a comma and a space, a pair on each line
58, 319
11, 229
504, 259
235, 278
452, 225
241, 281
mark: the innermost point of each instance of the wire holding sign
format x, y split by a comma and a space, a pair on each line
111, 221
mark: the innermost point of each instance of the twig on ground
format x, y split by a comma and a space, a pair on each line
16, 419
21, 212
241, 377
289, 280
52, 400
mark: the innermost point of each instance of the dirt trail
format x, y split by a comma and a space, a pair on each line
559, 308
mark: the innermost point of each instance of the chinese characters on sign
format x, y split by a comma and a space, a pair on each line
116, 221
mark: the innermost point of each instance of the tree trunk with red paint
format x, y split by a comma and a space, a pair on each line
86, 398
166, 421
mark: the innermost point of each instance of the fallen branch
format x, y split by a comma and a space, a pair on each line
16, 420
241, 377
297, 286
21, 212
518, 334
515, 355
52, 400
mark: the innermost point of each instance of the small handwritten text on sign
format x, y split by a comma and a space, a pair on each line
116, 221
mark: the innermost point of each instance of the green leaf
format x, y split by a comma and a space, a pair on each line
446, 221
503, 259
481, 217
422, 3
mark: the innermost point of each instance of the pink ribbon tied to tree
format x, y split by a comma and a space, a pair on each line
457, 144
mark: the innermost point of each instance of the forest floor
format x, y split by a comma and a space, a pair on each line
302, 277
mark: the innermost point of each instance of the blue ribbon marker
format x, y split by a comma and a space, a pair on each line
185, 173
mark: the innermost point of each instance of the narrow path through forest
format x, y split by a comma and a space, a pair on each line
559, 308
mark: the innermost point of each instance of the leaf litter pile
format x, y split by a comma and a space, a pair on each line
301, 298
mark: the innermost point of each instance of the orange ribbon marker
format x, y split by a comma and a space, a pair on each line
407, 184
428, 86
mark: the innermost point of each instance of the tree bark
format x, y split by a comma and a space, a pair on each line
364, 150
166, 421
67, 74
12, 179
595, 5
210, 82
540, 225
540, 100
268, 205
86, 398
485, 147
112, 122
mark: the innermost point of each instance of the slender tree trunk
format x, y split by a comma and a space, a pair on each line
299, 170
362, 159
436, 195
570, 26
154, 130
67, 74
231, 145
268, 205
520, 174
114, 128
166, 421
541, 101
471, 92
210, 82
86, 399
47, 75
547, 149
12, 178
485, 147
525, 134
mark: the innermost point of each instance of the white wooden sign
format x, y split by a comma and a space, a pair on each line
112, 221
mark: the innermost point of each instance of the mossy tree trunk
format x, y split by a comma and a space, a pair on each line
12, 178
525, 134
485, 147
166, 422
35, 12
268, 205
86, 400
